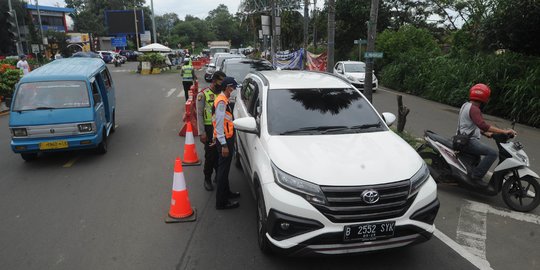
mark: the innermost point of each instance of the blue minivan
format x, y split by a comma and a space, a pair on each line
68, 104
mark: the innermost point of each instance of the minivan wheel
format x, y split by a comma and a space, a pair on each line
264, 244
113, 127
102, 146
29, 156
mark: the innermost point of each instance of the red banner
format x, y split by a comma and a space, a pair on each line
316, 61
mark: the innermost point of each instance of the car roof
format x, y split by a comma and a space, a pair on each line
77, 68
352, 62
243, 60
300, 79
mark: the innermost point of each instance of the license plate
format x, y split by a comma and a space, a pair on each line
369, 232
53, 145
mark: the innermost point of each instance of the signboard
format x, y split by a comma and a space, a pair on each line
373, 55
35, 48
361, 41
123, 21
119, 42
145, 37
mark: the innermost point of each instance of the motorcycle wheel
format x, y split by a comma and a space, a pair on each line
436, 165
521, 194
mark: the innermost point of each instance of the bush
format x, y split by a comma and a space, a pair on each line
8, 79
156, 59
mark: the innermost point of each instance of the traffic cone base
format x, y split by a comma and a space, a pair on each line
190, 218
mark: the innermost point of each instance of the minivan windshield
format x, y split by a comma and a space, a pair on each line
320, 111
239, 70
355, 68
51, 95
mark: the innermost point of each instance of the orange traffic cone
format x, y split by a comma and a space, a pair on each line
190, 152
180, 210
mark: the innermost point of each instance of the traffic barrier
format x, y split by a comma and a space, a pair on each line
190, 113
190, 152
180, 210
197, 64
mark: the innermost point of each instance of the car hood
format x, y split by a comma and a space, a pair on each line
346, 159
356, 75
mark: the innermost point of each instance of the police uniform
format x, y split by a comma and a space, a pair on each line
187, 78
205, 104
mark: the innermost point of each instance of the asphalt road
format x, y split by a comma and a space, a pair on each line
80, 210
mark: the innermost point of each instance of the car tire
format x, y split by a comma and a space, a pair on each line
28, 157
102, 146
264, 244
113, 127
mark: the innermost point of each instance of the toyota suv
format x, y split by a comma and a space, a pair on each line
328, 175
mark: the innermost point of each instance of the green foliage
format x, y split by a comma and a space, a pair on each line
156, 59
8, 79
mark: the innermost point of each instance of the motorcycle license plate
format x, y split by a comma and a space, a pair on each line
369, 232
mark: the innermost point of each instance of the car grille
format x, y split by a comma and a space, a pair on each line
345, 204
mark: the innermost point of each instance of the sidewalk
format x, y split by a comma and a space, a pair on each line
3, 109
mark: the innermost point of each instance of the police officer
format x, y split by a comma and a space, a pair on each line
188, 76
223, 137
205, 105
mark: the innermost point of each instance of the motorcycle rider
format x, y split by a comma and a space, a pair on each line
472, 122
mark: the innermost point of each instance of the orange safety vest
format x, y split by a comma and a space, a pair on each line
227, 121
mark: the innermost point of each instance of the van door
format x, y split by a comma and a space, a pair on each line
104, 81
99, 110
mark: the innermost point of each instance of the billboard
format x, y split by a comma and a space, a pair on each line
123, 22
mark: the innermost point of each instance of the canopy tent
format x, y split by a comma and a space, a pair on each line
154, 47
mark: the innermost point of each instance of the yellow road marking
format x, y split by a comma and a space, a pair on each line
71, 162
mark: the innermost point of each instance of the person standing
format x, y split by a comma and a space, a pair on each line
188, 76
205, 103
23, 65
223, 137
472, 122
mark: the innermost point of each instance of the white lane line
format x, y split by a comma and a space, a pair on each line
171, 92
181, 94
474, 260
531, 218
472, 229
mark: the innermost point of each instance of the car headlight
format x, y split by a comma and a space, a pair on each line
351, 78
88, 127
419, 178
19, 132
309, 191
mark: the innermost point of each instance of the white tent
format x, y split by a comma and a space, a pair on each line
154, 47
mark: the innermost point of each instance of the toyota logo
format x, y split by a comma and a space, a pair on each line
370, 196
52, 130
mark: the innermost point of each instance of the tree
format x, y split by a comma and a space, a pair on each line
7, 45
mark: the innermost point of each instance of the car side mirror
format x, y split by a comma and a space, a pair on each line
246, 124
389, 118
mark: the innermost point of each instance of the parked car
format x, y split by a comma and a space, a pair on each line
68, 104
211, 67
106, 56
328, 175
354, 72
86, 54
238, 68
129, 54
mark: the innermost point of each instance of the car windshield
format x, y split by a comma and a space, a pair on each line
320, 111
239, 70
355, 68
51, 95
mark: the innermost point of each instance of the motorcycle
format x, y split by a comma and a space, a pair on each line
512, 176
117, 62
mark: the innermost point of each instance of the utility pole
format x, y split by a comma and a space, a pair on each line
372, 33
40, 26
273, 36
136, 27
331, 34
306, 24
153, 21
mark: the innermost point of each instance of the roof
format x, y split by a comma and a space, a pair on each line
352, 62
77, 68
48, 8
298, 79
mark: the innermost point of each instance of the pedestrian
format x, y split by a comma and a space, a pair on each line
223, 137
188, 76
205, 105
23, 65
472, 122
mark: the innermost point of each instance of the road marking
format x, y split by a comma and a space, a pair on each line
474, 260
181, 94
121, 70
71, 162
171, 92
472, 229
531, 218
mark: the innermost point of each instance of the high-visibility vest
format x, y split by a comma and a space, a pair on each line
187, 72
227, 121
209, 97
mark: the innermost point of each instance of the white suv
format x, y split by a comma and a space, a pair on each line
354, 72
328, 175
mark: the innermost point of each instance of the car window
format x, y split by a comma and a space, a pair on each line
247, 91
355, 67
106, 78
253, 98
95, 93
53, 94
312, 110
239, 70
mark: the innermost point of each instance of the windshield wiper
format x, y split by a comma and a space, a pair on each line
366, 126
44, 108
320, 128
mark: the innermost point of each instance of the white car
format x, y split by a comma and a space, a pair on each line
328, 175
354, 72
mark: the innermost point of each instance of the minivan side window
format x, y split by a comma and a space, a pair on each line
253, 97
95, 94
106, 78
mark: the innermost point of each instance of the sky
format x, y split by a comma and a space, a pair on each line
197, 8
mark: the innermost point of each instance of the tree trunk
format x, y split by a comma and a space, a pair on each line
402, 114
331, 34
372, 32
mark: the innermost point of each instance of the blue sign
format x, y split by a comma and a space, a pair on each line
119, 42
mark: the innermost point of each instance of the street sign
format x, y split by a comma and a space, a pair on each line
373, 55
119, 42
35, 48
361, 41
